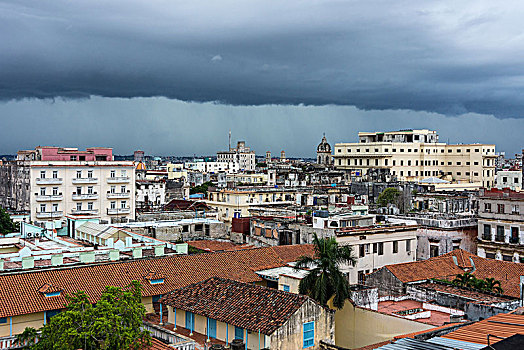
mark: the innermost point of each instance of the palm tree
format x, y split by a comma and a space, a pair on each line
464, 280
325, 280
493, 285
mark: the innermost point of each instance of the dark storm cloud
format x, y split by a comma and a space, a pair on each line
443, 57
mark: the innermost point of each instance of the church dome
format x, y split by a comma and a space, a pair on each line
141, 166
324, 146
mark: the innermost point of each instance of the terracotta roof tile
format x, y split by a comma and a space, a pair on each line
19, 293
248, 306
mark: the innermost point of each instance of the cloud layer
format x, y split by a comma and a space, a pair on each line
446, 57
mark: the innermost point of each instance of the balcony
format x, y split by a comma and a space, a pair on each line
118, 180
84, 211
118, 211
49, 181
85, 180
114, 195
49, 198
48, 214
85, 196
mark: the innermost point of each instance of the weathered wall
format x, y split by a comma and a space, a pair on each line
386, 282
466, 238
290, 335
357, 327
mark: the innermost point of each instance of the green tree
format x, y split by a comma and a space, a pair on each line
200, 188
6, 224
493, 285
464, 280
27, 338
389, 196
324, 280
112, 323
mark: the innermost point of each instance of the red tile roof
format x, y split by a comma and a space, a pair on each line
217, 246
501, 325
458, 261
248, 306
19, 293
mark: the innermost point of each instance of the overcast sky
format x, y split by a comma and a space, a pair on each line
172, 77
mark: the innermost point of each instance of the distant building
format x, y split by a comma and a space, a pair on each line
509, 179
268, 157
412, 155
243, 155
324, 156
282, 156
53, 182
501, 225
139, 156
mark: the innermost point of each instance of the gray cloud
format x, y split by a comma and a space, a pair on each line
443, 57
164, 126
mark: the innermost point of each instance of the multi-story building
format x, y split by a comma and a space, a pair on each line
230, 167
411, 155
511, 179
377, 246
501, 225
150, 194
57, 182
243, 155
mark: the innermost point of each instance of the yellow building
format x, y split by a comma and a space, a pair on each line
412, 155
176, 171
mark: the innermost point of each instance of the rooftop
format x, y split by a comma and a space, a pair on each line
248, 306
505, 193
345, 231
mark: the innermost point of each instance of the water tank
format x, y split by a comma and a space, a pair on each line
216, 347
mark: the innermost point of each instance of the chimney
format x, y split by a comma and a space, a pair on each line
57, 259
28, 262
159, 250
114, 255
181, 248
137, 252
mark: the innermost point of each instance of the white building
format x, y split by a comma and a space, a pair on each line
412, 155
103, 190
243, 155
230, 167
509, 179
150, 193
375, 247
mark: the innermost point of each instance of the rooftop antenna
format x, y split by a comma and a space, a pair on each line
230, 140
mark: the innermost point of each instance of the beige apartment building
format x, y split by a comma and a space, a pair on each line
412, 155
105, 190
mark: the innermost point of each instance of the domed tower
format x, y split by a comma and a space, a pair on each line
324, 152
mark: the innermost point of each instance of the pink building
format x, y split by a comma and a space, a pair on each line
49, 153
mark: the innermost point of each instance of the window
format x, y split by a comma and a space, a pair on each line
499, 237
123, 189
78, 206
113, 189
475, 163
459, 163
55, 191
112, 173
468, 163
190, 320
500, 208
55, 207
3, 320
72, 158
156, 281
78, 174
123, 204
395, 247
89, 205
42, 208
55, 174
408, 245
42, 191
381, 248
239, 333
113, 205
362, 252
487, 233
42, 174
515, 209
123, 173
433, 250
90, 174
375, 248
309, 334
514, 235
487, 207
285, 287
79, 190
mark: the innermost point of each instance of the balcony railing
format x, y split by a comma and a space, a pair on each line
514, 240
112, 195
120, 179
175, 340
48, 214
118, 211
486, 237
84, 196
49, 180
84, 211
49, 198
85, 180
499, 238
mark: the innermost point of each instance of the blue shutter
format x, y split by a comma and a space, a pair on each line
212, 328
309, 334
286, 288
189, 320
239, 333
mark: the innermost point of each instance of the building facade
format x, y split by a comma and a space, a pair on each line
54, 182
411, 155
242, 155
324, 156
501, 225
509, 179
